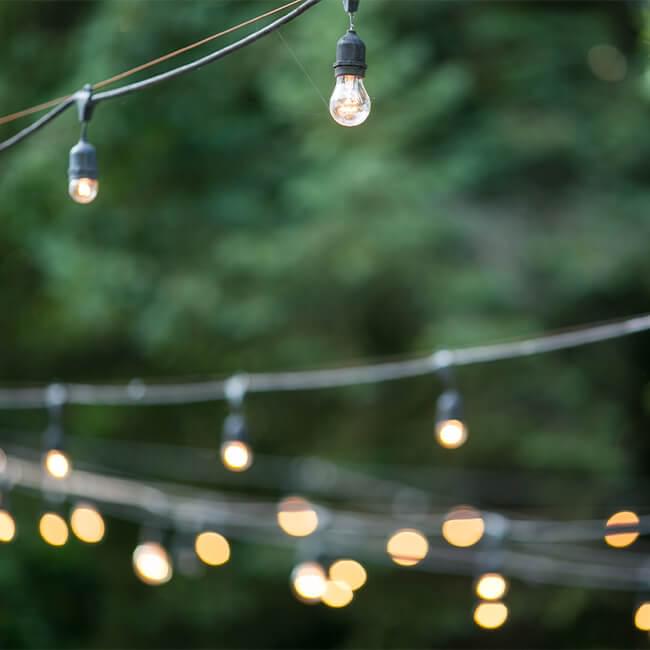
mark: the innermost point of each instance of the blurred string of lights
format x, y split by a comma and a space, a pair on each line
349, 104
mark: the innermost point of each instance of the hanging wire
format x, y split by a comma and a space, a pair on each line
138, 392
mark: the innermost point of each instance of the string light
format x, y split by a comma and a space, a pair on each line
463, 527
625, 537
7, 526
152, 563
337, 594
491, 586
642, 617
56, 463
297, 517
490, 616
211, 548
87, 524
407, 547
236, 453
83, 183
53, 529
308, 581
451, 431
350, 572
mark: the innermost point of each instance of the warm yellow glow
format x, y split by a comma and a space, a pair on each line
308, 582
350, 103
490, 615
87, 524
337, 594
463, 527
491, 586
7, 526
56, 463
623, 518
451, 434
236, 455
83, 190
642, 617
407, 547
297, 517
350, 572
212, 548
53, 529
151, 564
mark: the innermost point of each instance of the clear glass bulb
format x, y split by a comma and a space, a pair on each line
350, 102
83, 190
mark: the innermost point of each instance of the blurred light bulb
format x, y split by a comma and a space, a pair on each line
490, 615
53, 529
83, 190
151, 563
491, 586
87, 524
337, 594
642, 617
451, 434
407, 547
211, 548
622, 539
57, 463
297, 517
236, 455
7, 526
350, 103
309, 582
463, 527
350, 572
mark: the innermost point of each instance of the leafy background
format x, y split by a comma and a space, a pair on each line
499, 188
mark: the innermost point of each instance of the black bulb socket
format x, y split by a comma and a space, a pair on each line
350, 55
449, 407
83, 161
234, 428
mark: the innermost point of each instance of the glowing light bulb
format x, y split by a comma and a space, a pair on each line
308, 582
490, 615
451, 431
491, 586
642, 617
463, 527
407, 547
337, 594
451, 434
350, 572
87, 524
236, 455
53, 529
151, 564
350, 103
297, 517
625, 538
7, 526
211, 548
83, 190
56, 463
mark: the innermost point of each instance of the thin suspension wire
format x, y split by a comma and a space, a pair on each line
137, 392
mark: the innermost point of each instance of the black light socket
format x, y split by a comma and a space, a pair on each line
350, 55
449, 407
83, 161
234, 428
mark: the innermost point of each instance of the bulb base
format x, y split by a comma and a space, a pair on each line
83, 161
350, 55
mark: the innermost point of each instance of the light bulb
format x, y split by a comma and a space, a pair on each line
337, 594
451, 434
297, 517
57, 463
451, 431
53, 529
463, 527
642, 617
212, 549
350, 103
236, 455
87, 524
623, 538
7, 526
308, 582
490, 615
491, 586
83, 190
151, 564
407, 547
350, 572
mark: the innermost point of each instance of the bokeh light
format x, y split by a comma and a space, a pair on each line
236, 455
490, 615
297, 517
211, 548
607, 62
7, 526
622, 539
451, 434
642, 617
491, 586
349, 571
407, 547
463, 527
53, 529
56, 463
308, 582
337, 594
87, 524
152, 564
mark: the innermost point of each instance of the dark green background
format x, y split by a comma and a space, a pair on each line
499, 188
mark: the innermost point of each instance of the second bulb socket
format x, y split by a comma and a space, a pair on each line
350, 55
